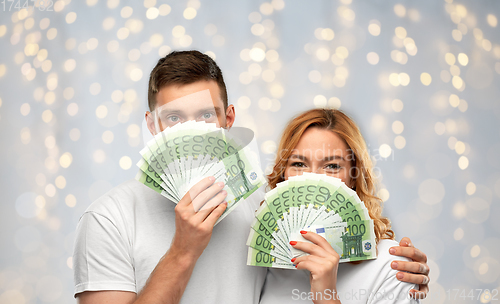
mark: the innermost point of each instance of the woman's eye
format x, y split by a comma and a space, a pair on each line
333, 166
298, 164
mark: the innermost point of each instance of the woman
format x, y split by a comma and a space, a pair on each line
328, 142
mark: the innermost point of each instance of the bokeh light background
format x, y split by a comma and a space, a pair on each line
420, 77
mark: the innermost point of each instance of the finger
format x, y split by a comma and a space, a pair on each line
309, 265
206, 195
318, 240
215, 214
310, 258
316, 265
310, 248
420, 295
423, 290
216, 200
406, 242
195, 190
409, 252
414, 267
209, 207
203, 213
412, 278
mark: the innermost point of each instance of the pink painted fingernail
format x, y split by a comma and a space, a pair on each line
394, 265
211, 178
221, 184
392, 251
399, 275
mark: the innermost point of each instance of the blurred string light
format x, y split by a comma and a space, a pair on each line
263, 65
455, 76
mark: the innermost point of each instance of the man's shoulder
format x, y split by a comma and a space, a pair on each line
123, 197
374, 270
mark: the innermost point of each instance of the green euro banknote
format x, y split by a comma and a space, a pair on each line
259, 242
181, 156
305, 202
260, 258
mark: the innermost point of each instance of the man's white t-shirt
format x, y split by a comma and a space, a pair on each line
123, 234
368, 282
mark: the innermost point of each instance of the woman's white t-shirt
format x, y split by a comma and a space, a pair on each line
371, 281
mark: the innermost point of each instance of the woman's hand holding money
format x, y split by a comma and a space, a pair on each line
322, 263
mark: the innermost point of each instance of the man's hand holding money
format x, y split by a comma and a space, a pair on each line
193, 228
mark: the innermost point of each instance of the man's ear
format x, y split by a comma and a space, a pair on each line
230, 116
150, 122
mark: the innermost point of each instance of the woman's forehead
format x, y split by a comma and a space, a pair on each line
316, 139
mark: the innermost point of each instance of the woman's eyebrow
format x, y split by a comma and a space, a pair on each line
298, 156
329, 158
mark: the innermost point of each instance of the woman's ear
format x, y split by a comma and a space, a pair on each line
356, 175
353, 175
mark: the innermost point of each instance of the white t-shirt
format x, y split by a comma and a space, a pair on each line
123, 234
372, 281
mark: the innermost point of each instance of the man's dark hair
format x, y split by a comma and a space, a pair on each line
181, 68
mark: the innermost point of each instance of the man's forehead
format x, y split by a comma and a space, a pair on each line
200, 99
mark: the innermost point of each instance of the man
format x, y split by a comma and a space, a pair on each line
135, 246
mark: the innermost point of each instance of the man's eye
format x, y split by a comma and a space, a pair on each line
173, 118
207, 115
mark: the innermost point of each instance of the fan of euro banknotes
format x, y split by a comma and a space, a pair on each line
311, 202
180, 156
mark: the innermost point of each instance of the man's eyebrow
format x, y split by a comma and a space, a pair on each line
168, 112
217, 110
